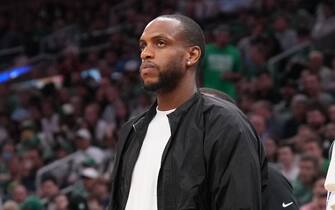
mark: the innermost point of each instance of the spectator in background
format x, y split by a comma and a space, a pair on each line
314, 148
316, 119
309, 171
316, 66
101, 192
258, 121
325, 20
319, 197
265, 89
312, 88
32, 203
112, 96
10, 205
50, 122
49, 189
61, 202
270, 147
288, 162
222, 63
83, 188
7, 153
109, 145
272, 122
94, 124
19, 194
298, 109
286, 36
86, 152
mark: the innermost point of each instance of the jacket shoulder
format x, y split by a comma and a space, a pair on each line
221, 108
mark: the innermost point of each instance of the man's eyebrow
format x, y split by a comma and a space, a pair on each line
157, 36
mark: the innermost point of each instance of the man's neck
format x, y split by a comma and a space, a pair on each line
178, 96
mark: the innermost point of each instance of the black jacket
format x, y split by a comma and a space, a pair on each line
278, 193
212, 161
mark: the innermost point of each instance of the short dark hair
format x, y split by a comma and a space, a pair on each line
191, 32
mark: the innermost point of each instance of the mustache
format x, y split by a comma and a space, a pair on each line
148, 64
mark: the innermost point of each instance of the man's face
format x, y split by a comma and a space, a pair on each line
163, 54
307, 172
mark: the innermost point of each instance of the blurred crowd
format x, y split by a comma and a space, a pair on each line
57, 140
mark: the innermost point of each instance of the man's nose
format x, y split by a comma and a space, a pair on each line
147, 53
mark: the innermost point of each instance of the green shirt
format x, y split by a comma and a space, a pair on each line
217, 61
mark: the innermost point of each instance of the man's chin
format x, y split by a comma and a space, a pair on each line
153, 87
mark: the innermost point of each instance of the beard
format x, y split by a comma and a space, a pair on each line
167, 79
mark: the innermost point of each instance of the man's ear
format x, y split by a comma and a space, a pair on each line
193, 57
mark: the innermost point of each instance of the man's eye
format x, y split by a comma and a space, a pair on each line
141, 47
161, 44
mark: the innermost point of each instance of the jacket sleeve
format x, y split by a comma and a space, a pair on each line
233, 164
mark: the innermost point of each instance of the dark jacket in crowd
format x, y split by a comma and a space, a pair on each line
213, 159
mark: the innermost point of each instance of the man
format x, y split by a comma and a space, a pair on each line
222, 63
189, 151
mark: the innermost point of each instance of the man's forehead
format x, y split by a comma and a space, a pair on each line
161, 26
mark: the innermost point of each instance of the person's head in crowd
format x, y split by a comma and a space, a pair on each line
19, 193
316, 118
309, 169
93, 203
258, 121
245, 102
280, 23
61, 202
304, 132
49, 187
329, 133
83, 139
222, 35
319, 199
311, 84
32, 203
258, 54
34, 156
91, 114
89, 177
15, 168
7, 151
263, 108
100, 190
264, 83
315, 62
320, 194
271, 149
286, 154
10, 205
314, 148
299, 105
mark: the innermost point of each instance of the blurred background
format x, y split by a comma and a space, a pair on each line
69, 80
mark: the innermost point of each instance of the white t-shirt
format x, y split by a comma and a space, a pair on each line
143, 189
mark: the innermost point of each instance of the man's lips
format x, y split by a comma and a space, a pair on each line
148, 67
